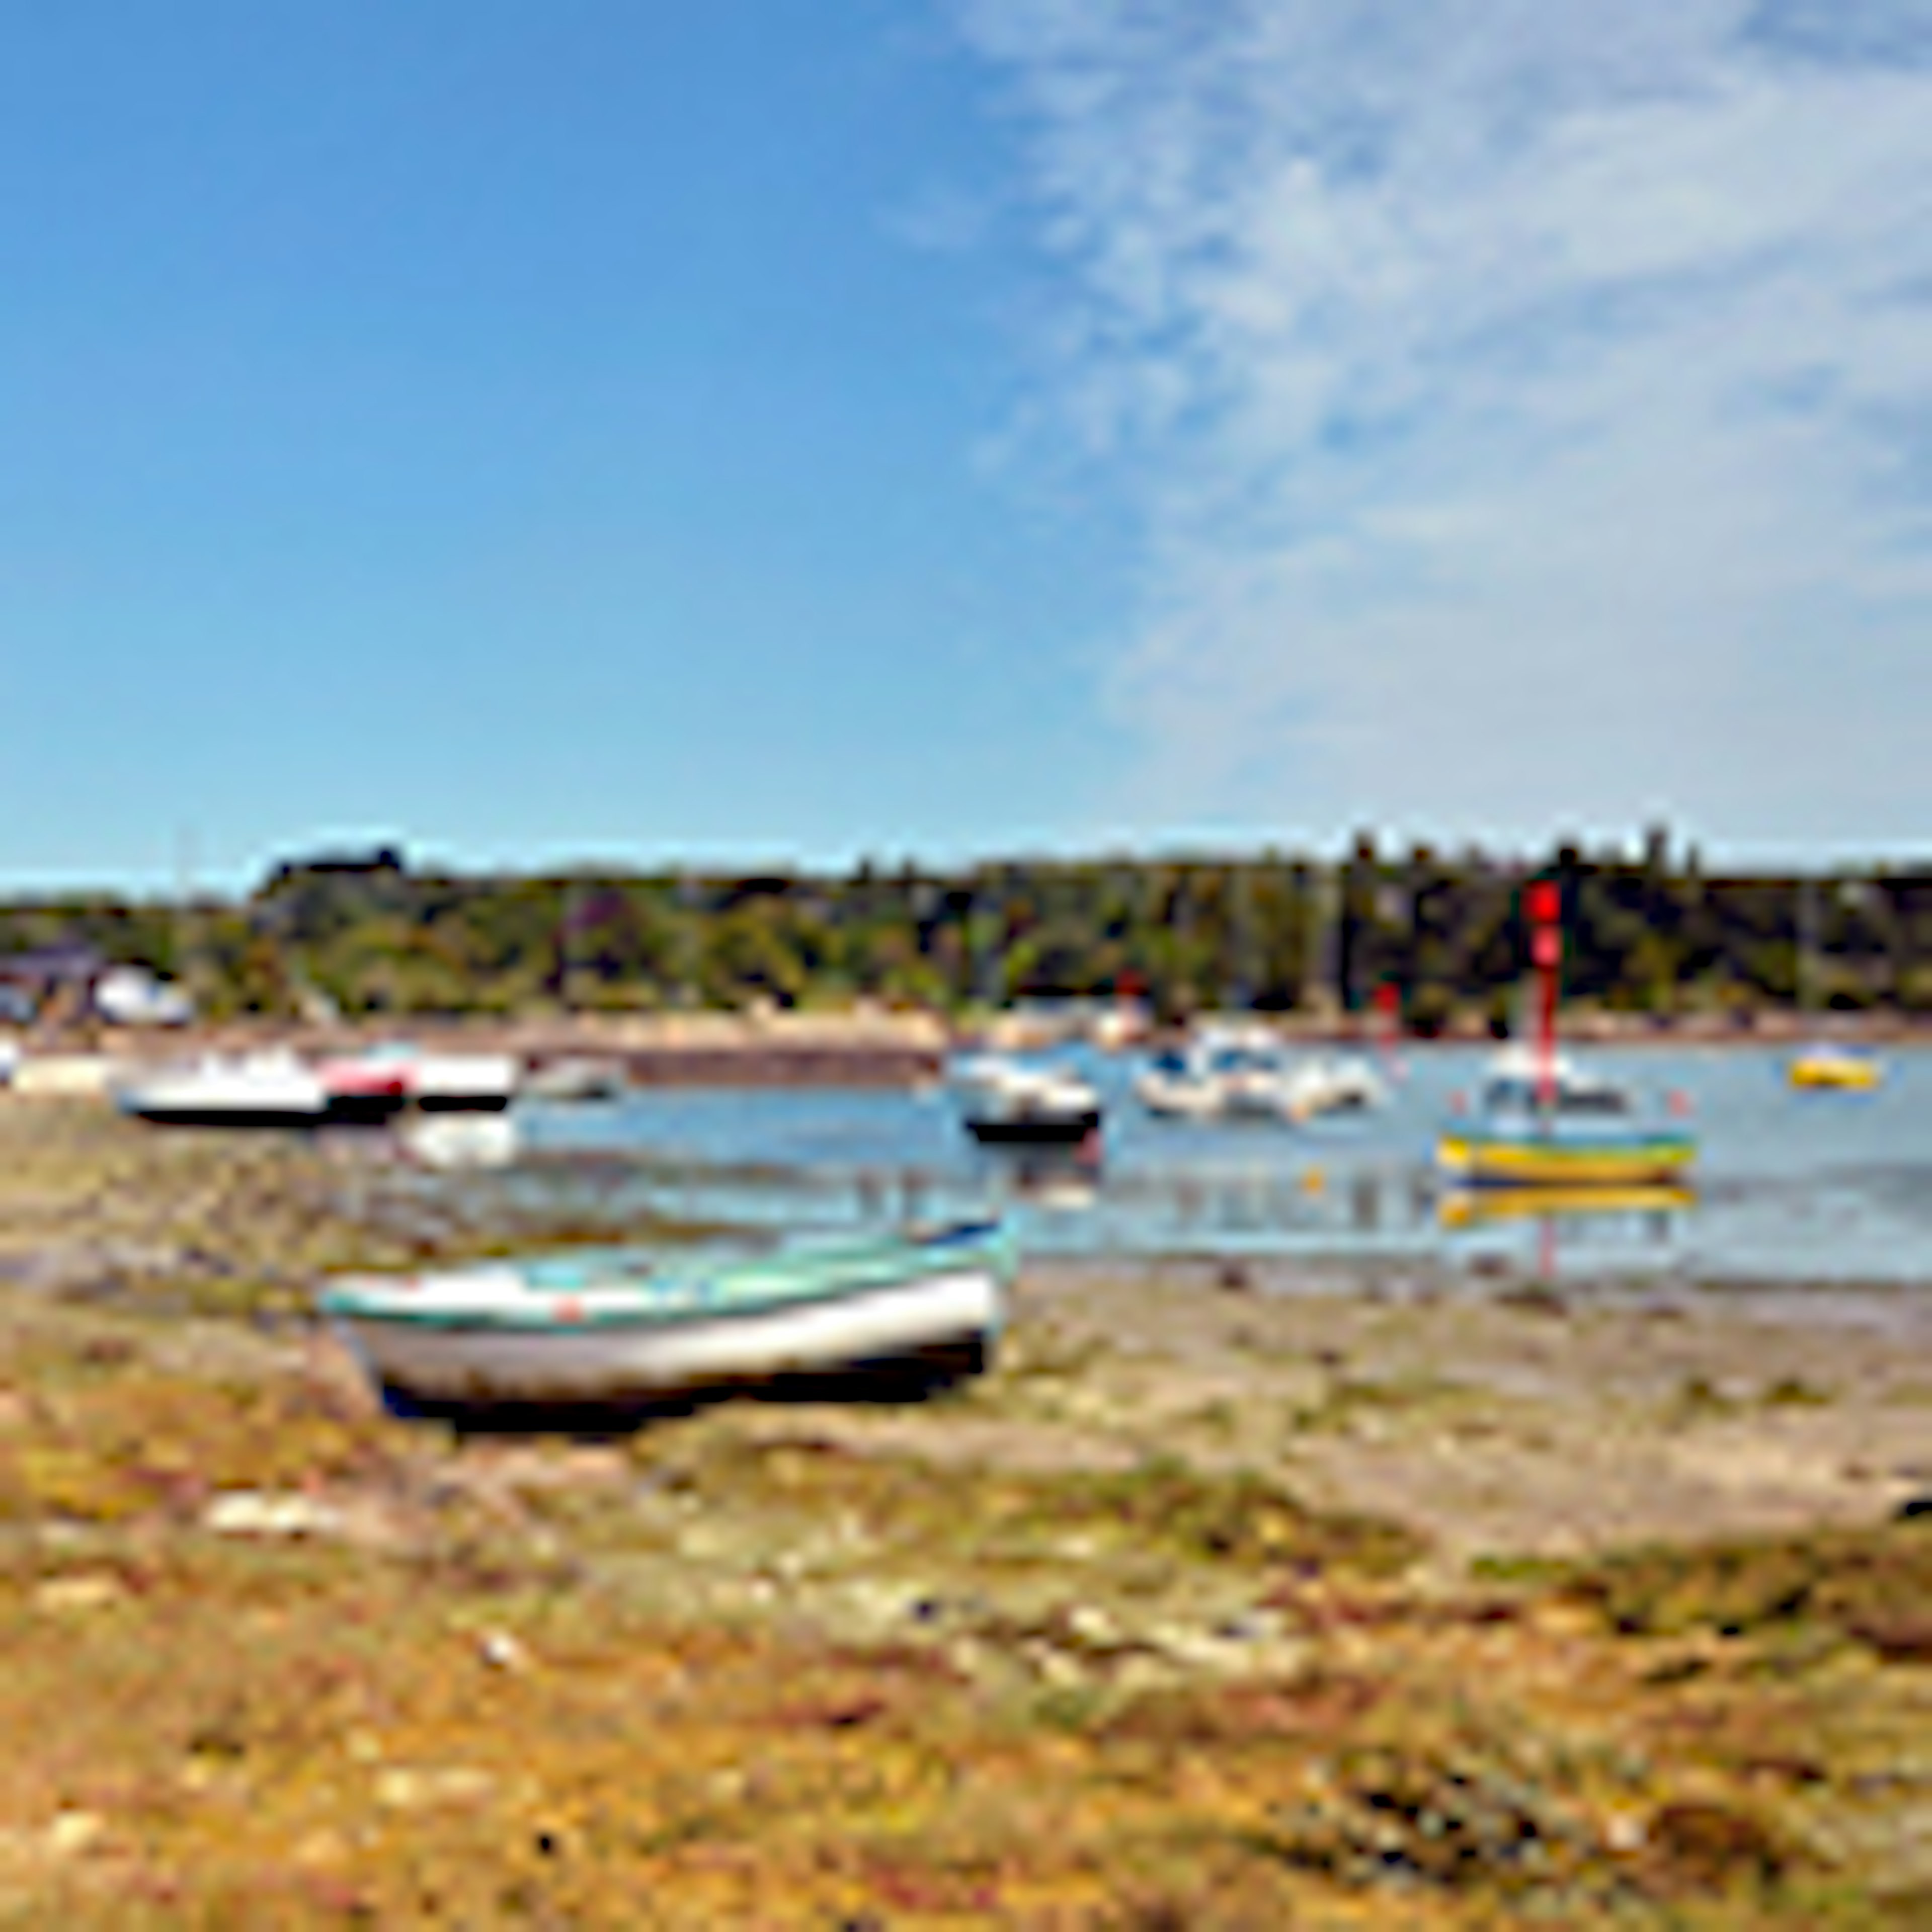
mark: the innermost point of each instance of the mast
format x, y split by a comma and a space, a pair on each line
187, 936
1544, 902
1808, 945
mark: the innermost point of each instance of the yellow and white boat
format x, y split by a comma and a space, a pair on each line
1839, 1067
1542, 1125
1528, 1156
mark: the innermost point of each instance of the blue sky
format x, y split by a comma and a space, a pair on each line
609, 431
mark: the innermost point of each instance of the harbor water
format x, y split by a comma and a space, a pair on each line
1789, 1185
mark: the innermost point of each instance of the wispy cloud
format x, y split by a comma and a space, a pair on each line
1529, 406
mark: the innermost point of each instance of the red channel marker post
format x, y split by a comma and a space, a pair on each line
1544, 903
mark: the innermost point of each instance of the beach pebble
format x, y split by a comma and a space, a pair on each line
86, 1591
403, 1788
72, 1831
1249, 1627
1625, 1832
65, 1835
501, 1650
1092, 1625
270, 1513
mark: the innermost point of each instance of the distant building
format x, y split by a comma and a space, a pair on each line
61, 976
71, 979
44, 968
379, 861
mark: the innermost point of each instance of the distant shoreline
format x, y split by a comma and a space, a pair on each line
880, 1048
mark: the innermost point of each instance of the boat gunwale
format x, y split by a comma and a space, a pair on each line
673, 1300
1585, 1147
1481, 1161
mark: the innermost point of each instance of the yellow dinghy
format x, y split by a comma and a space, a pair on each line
1489, 1157
1835, 1067
1543, 1127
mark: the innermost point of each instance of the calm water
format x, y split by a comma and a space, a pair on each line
1790, 1186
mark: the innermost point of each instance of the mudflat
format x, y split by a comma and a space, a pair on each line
1232, 1597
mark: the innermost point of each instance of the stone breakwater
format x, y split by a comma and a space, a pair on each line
1216, 1605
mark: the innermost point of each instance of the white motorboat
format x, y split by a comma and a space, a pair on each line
1011, 1102
1334, 1083
1220, 1070
1248, 1072
448, 1083
625, 1327
1517, 1072
369, 1087
574, 1078
1177, 1086
272, 1088
381, 1081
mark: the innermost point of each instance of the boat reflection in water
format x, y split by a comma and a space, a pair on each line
1056, 1179
1593, 1223
1471, 1207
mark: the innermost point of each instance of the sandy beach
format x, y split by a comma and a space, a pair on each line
1235, 1596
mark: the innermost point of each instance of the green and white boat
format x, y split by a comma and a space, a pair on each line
616, 1328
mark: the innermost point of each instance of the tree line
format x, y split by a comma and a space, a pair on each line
1439, 937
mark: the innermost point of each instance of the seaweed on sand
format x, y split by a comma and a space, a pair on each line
1872, 1586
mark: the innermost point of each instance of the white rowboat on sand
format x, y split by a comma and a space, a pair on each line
621, 1327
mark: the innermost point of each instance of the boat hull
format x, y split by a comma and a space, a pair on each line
575, 1080
270, 1089
519, 1344
1651, 1160
485, 1366
369, 1109
1055, 1130
1178, 1100
1848, 1076
191, 1114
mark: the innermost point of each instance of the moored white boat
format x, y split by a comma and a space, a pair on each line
1518, 1073
463, 1082
1247, 1073
625, 1327
380, 1081
275, 1087
1220, 1070
370, 1086
1175, 1088
1331, 1084
575, 1077
1010, 1102
272, 1088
